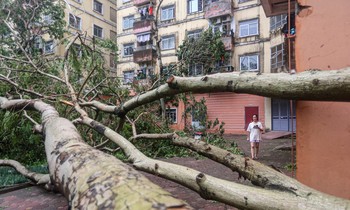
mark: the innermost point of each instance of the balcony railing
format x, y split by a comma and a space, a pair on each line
143, 24
143, 2
145, 54
218, 8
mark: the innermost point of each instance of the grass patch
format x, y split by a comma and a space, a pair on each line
9, 176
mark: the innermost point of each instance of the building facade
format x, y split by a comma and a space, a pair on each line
254, 42
254, 45
323, 134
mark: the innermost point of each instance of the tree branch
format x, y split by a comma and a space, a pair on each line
217, 189
314, 85
36, 178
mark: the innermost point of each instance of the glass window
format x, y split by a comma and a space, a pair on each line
128, 22
112, 62
194, 6
97, 6
128, 77
171, 115
194, 34
49, 47
249, 63
128, 49
98, 31
277, 57
168, 13
113, 15
248, 28
195, 70
113, 35
74, 21
277, 22
168, 42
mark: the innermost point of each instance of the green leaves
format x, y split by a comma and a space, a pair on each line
205, 50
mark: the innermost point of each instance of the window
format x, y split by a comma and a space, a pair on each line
277, 21
98, 31
79, 1
74, 21
194, 6
168, 13
38, 42
221, 25
195, 70
277, 57
125, 1
97, 6
128, 22
49, 47
128, 77
248, 28
242, 1
128, 49
194, 34
113, 15
168, 42
113, 35
249, 63
112, 63
171, 115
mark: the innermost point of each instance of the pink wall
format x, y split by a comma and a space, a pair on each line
323, 128
229, 108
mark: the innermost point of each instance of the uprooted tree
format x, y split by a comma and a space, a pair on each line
67, 91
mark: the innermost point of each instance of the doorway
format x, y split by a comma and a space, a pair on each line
249, 112
281, 116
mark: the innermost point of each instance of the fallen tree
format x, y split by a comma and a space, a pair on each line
93, 179
89, 178
314, 85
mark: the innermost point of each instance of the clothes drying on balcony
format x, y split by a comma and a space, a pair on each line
144, 37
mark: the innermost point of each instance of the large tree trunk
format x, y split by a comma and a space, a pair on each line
88, 178
314, 85
231, 193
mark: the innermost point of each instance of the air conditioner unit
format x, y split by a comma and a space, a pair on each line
216, 21
226, 18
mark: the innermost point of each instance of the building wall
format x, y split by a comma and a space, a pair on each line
323, 134
181, 25
89, 17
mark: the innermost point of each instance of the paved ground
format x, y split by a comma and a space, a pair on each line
38, 199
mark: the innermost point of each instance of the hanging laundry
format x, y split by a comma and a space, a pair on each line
150, 9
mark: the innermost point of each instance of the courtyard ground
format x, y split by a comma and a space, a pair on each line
38, 199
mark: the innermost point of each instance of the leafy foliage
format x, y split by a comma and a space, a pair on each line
207, 50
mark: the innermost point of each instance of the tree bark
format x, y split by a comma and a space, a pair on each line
88, 178
209, 187
313, 85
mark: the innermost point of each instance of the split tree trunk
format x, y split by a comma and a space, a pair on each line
88, 178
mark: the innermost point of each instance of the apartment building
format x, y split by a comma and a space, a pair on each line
254, 42
93, 19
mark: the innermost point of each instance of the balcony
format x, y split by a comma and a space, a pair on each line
138, 3
144, 24
219, 8
228, 42
145, 54
277, 7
